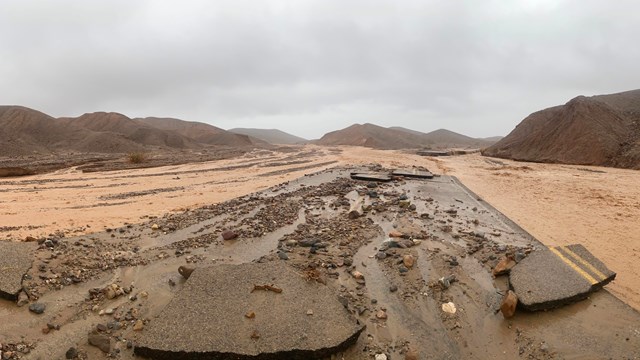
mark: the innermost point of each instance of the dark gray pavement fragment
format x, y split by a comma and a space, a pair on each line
371, 177
414, 173
545, 280
15, 260
206, 320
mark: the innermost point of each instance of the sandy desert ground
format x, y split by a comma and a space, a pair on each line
558, 204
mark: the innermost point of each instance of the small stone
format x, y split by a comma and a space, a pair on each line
155, 227
101, 327
403, 197
72, 353
381, 314
544, 347
185, 271
504, 266
37, 308
46, 330
291, 243
102, 342
109, 311
509, 304
449, 308
229, 235
403, 269
412, 207
393, 288
357, 275
144, 294
395, 234
283, 255
307, 242
23, 299
250, 315
411, 354
309, 312
408, 261
138, 326
381, 357
255, 335
380, 255
172, 282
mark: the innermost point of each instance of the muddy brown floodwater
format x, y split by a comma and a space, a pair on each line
132, 229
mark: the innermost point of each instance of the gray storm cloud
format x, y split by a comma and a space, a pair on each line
309, 67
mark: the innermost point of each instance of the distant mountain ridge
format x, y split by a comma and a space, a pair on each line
272, 136
201, 132
599, 130
374, 136
24, 131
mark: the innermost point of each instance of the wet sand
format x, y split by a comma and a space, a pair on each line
566, 204
558, 204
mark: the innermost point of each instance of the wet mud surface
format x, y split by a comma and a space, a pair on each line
415, 245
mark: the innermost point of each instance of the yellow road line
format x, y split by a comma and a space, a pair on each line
585, 263
575, 267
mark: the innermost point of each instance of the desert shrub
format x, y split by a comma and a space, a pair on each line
136, 158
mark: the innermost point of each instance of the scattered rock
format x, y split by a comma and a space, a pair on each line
357, 275
395, 234
185, 271
23, 299
155, 227
309, 312
408, 261
449, 308
411, 354
138, 326
504, 266
307, 242
509, 304
72, 353
283, 255
381, 357
446, 281
229, 235
381, 314
250, 315
102, 342
37, 308
393, 288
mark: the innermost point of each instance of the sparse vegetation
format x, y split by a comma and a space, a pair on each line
136, 158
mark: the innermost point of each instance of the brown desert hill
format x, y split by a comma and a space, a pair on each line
134, 130
600, 130
373, 136
272, 136
443, 138
201, 132
25, 131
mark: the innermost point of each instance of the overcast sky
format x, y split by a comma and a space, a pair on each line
308, 67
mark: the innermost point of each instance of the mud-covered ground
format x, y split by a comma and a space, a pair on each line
418, 245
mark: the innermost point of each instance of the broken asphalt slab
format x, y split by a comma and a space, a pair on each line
557, 276
413, 173
15, 261
370, 177
239, 312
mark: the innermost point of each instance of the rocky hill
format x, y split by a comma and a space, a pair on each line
379, 137
373, 136
25, 131
134, 130
600, 130
201, 132
443, 138
272, 136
